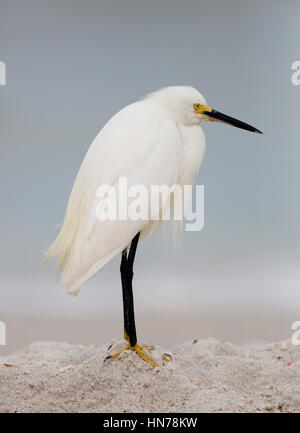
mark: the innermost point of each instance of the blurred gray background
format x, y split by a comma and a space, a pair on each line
70, 66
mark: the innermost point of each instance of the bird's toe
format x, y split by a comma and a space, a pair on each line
167, 357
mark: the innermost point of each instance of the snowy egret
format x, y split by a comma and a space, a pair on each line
157, 140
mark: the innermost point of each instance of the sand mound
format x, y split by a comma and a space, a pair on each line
205, 376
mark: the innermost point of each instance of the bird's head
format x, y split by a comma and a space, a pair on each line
189, 107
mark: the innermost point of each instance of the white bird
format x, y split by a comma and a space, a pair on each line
155, 141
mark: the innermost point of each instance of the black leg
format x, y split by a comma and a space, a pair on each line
126, 277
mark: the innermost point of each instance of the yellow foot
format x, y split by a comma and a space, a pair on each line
140, 351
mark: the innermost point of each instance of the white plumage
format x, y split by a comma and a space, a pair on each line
157, 140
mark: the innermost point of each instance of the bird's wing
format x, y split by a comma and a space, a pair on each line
142, 144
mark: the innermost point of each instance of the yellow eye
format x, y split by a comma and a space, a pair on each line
196, 106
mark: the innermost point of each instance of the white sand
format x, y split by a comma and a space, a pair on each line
205, 376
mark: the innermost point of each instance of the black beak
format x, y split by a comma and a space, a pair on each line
217, 116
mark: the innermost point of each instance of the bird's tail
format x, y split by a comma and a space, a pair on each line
60, 248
